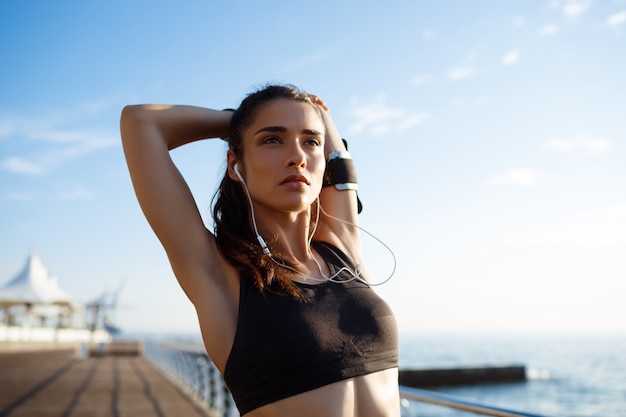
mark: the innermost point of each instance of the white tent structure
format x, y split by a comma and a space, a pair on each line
34, 286
36, 309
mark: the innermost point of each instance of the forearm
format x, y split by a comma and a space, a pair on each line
333, 142
175, 125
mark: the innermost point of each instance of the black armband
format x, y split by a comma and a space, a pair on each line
341, 173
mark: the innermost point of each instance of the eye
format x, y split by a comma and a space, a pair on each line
313, 142
271, 140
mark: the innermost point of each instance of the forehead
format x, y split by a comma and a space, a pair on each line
291, 114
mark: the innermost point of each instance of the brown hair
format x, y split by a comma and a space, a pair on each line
236, 239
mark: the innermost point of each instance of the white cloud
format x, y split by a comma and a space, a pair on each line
460, 73
554, 4
374, 113
548, 29
11, 125
88, 142
77, 193
576, 8
21, 196
380, 129
412, 120
378, 118
594, 146
18, 165
421, 79
511, 57
515, 177
616, 19
56, 143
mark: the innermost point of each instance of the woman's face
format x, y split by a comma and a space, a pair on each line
283, 157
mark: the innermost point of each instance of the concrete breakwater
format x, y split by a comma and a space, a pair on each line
421, 378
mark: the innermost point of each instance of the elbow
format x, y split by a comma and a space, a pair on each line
133, 117
134, 121
130, 114
128, 117
142, 113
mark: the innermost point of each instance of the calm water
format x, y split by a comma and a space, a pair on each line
569, 375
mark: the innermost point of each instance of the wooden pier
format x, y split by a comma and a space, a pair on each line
62, 381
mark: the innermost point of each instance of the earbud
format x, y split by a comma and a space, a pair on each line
236, 168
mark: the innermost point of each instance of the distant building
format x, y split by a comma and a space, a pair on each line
34, 309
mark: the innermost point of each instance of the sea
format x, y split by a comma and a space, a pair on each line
568, 375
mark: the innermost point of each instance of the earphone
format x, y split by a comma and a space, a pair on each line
266, 250
236, 169
356, 274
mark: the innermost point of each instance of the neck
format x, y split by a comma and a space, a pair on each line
290, 231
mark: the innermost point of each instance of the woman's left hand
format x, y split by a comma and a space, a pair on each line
319, 102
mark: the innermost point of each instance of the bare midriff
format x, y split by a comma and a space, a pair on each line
372, 395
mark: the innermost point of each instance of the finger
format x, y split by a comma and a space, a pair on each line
319, 102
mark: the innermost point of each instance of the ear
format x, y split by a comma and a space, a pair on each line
231, 161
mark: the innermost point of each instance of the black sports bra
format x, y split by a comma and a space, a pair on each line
284, 347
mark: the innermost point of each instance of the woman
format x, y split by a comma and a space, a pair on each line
282, 300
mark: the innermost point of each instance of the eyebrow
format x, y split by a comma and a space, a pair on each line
284, 129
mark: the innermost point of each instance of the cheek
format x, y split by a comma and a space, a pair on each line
259, 164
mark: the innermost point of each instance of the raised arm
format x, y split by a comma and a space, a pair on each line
148, 133
341, 204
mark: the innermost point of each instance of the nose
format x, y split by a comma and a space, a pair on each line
297, 156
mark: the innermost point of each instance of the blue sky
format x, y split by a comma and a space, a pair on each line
490, 139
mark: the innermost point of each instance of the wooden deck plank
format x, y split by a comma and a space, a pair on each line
24, 374
55, 383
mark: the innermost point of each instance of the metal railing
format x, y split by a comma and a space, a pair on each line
451, 401
191, 367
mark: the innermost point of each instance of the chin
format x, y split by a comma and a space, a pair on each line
298, 206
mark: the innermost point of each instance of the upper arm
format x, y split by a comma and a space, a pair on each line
164, 196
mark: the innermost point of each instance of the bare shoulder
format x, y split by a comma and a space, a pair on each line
212, 285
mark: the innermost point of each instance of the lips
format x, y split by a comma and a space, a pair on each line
295, 178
